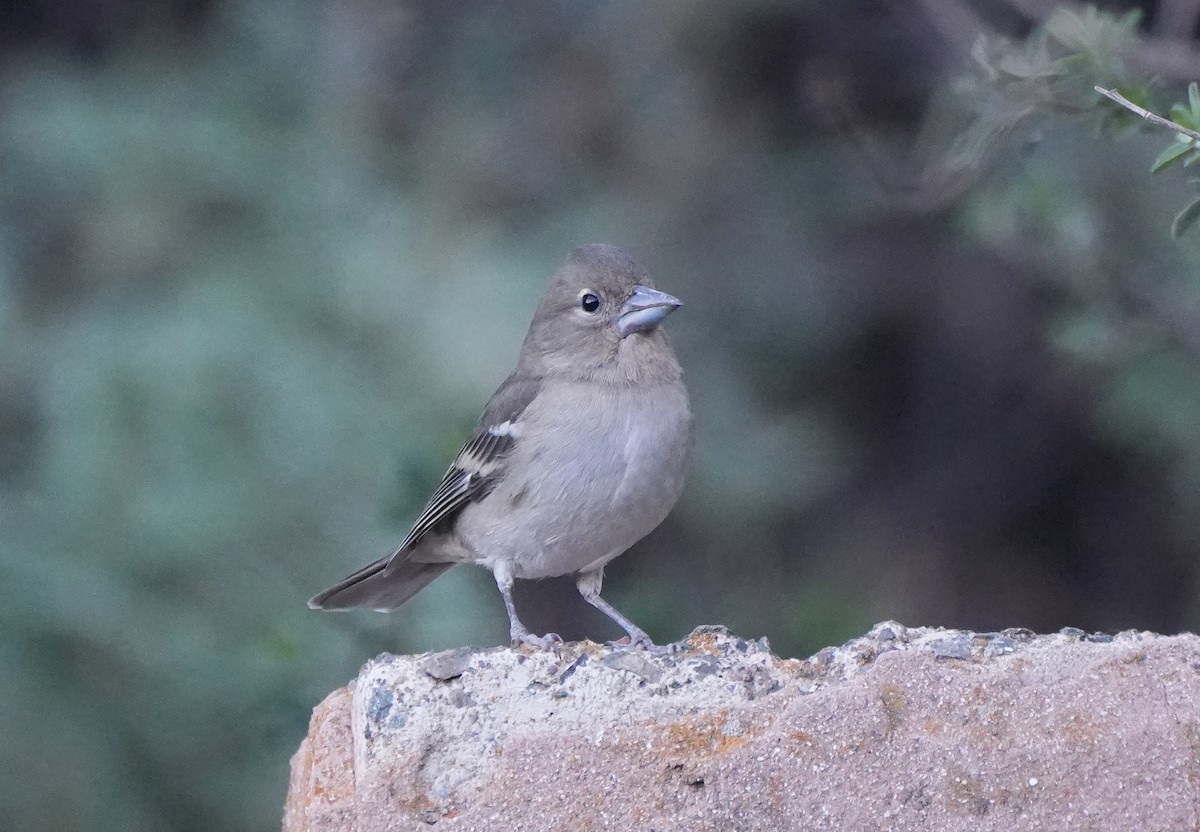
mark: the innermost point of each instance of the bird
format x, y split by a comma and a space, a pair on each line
581, 452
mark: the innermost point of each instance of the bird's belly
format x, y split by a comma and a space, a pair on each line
589, 490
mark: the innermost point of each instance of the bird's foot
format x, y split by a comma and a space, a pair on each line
636, 639
546, 642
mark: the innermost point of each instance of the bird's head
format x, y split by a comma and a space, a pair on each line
601, 315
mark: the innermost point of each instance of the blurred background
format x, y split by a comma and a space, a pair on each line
262, 263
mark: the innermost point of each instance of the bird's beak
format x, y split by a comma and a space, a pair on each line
645, 310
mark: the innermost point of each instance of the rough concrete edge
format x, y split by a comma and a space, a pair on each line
329, 719
838, 663
337, 717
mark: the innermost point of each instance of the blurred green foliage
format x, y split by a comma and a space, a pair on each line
260, 270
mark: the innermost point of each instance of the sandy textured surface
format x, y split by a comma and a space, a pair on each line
903, 729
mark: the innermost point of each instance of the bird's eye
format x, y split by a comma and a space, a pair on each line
589, 302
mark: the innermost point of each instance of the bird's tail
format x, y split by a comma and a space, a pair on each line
383, 585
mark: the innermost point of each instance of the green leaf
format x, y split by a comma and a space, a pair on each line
1191, 160
1172, 154
1186, 218
1194, 102
1181, 115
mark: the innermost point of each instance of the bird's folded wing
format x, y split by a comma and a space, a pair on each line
479, 464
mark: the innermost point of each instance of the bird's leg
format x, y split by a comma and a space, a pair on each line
516, 630
504, 580
589, 587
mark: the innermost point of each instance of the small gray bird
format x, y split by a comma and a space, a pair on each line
580, 453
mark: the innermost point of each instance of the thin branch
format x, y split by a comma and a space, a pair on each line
1156, 120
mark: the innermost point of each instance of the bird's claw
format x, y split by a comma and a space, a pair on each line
546, 642
640, 640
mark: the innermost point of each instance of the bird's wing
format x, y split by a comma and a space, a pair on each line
390, 581
479, 464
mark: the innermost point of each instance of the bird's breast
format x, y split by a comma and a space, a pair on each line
593, 472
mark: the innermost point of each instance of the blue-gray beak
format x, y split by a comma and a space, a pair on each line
645, 310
